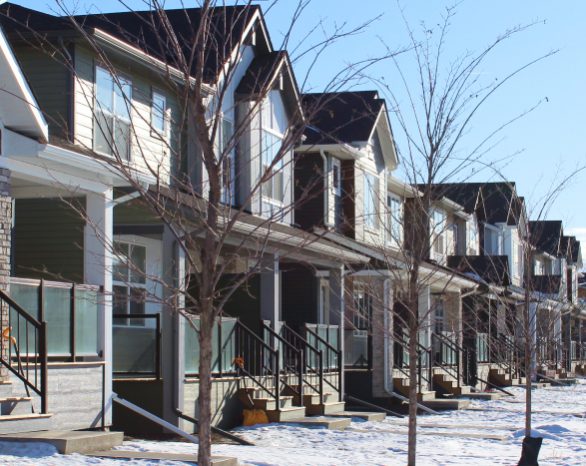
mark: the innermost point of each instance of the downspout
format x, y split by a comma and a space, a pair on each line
388, 384
324, 157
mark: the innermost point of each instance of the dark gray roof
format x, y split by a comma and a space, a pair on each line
492, 269
340, 117
145, 30
546, 236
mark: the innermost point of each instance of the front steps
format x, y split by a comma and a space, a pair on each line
253, 398
450, 386
16, 414
428, 398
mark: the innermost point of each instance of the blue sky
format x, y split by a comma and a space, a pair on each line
547, 142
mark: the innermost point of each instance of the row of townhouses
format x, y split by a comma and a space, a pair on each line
327, 316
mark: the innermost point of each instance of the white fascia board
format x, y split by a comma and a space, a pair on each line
401, 188
342, 151
144, 58
18, 92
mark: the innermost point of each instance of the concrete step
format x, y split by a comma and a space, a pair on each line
286, 414
425, 396
15, 405
325, 409
71, 441
329, 422
18, 423
269, 404
313, 398
363, 415
488, 396
442, 405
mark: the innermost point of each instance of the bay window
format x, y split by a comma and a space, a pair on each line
438, 220
112, 120
394, 220
159, 114
226, 133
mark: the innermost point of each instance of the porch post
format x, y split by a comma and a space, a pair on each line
5, 248
424, 312
173, 329
336, 286
98, 233
270, 290
533, 338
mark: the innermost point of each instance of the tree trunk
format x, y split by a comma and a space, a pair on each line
413, 363
205, 388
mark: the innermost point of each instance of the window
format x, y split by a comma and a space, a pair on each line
112, 114
493, 240
370, 201
159, 114
394, 220
272, 171
363, 310
438, 220
438, 314
539, 267
226, 132
337, 177
472, 236
129, 282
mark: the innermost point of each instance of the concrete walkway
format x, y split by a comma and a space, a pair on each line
70, 441
160, 456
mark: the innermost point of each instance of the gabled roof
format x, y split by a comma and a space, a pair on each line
571, 248
265, 72
494, 202
546, 236
145, 30
351, 117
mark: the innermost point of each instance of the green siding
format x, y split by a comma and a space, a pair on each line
48, 240
49, 81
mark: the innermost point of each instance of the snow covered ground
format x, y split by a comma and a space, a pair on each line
559, 416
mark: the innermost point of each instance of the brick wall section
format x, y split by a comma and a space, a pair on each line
5, 242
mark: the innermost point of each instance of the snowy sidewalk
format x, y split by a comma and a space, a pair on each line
560, 417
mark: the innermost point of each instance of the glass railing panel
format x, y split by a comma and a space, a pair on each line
58, 317
87, 302
356, 348
134, 349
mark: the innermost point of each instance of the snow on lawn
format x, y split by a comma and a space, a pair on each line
560, 417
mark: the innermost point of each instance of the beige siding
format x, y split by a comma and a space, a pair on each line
150, 154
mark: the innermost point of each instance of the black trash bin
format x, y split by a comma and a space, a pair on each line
530, 451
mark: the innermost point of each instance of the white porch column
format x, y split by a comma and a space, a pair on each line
270, 290
98, 271
337, 317
533, 339
6, 225
173, 329
557, 332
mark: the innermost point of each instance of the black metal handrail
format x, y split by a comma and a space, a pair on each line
257, 361
293, 361
158, 335
337, 353
33, 373
509, 356
422, 351
308, 369
454, 348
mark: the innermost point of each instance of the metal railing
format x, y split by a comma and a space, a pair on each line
448, 358
333, 354
23, 346
136, 345
424, 361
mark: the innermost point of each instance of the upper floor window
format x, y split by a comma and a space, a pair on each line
394, 220
337, 177
226, 133
493, 241
438, 225
112, 120
272, 168
370, 200
538, 267
159, 114
472, 243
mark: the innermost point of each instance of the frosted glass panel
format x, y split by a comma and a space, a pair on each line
58, 318
223, 348
134, 349
191, 348
86, 322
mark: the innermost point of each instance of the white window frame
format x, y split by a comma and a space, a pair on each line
163, 132
128, 283
336, 173
370, 201
277, 169
228, 163
498, 237
472, 235
438, 228
394, 220
113, 114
